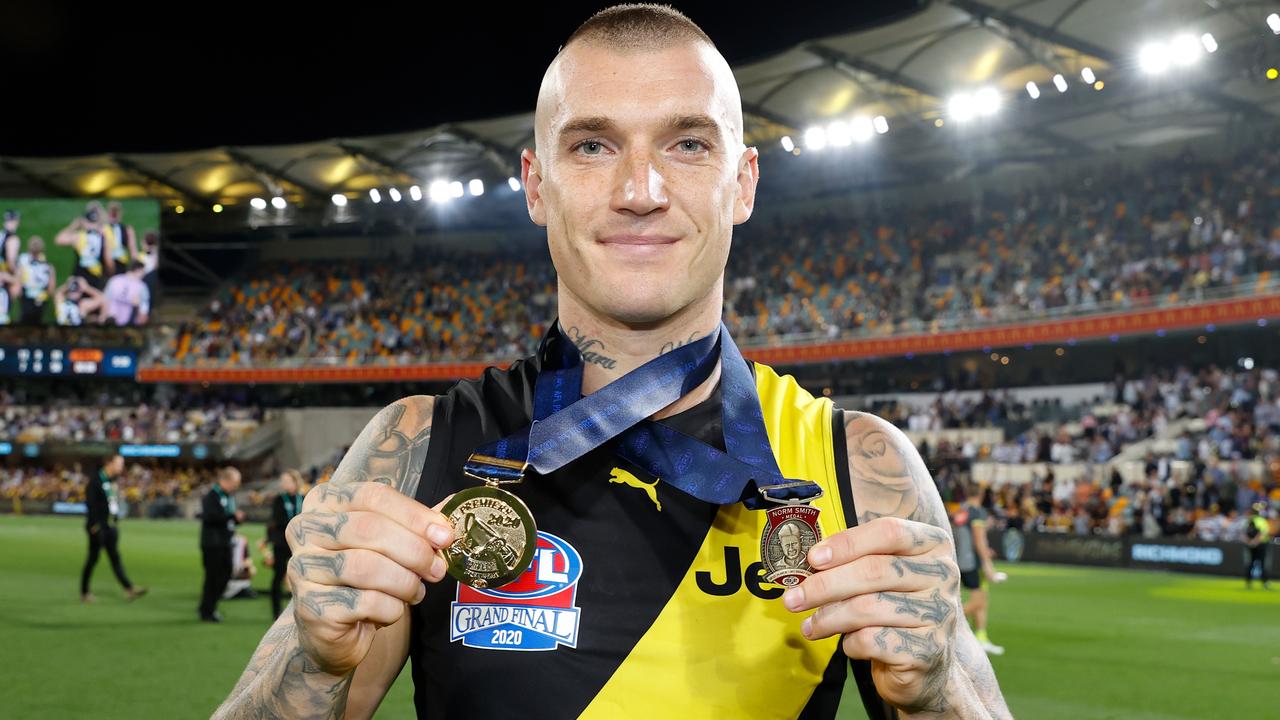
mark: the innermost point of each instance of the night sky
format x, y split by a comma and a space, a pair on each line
183, 76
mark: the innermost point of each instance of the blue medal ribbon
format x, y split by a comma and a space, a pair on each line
567, 426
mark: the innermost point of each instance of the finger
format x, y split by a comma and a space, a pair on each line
360, 569
870, 574
880, 609
882, 536
319, 604
909, 647
366, 530
382, 499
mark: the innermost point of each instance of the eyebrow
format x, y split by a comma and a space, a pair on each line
600, 123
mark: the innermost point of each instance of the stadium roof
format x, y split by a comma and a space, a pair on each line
906, 71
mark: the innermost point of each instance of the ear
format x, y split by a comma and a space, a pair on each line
531, 178
748, 178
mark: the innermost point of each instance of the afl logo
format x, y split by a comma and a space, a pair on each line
535, 611
556, 567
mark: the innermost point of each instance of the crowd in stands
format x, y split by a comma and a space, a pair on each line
1221, 458
142, 482
1170, 230
121, 412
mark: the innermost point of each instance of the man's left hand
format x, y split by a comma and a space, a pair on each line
891, 588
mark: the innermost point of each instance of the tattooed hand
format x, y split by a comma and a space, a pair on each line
891, 588
362, 547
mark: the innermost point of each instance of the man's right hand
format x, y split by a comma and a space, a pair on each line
360, 553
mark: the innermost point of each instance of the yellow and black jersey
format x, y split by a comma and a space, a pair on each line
642, 601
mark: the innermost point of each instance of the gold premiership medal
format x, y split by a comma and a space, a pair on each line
494, 537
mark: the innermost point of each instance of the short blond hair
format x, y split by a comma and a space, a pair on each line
638, 26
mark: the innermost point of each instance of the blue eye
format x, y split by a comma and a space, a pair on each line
591, 143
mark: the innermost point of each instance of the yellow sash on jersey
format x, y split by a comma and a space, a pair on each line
709, 656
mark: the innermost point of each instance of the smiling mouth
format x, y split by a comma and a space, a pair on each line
639, 240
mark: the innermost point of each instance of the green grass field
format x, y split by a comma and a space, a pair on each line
1081, 643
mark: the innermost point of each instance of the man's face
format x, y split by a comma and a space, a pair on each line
115, 466
791, 545
639, 176
231, 481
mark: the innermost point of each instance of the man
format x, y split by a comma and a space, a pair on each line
969, 527
1257, 535
218, 520
102, 513
639, 176
285, 507
38, 280
85, 234
128, 301
76, 302
121, 240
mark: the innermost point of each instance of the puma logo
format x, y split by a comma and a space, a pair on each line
651, 489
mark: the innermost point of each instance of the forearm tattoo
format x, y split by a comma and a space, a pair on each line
281, 679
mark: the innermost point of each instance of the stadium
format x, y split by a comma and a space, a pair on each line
1041, 238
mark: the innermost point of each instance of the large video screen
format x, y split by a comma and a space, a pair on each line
79, 262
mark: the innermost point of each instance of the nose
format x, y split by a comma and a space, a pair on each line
639, 187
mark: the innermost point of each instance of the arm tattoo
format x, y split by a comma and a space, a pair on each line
281, 681
889, 478
587, 346
388, 452
326, 524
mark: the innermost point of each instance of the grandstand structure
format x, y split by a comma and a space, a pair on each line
980, 91
1132, 144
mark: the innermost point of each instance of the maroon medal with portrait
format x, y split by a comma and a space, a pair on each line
791, 530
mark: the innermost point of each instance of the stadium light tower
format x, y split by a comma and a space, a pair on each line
787, 143
514, 184
258, 203
395, 194
278, 202
1273, 22
415, 192
476, 187
339, 199
1033, 90
375, 196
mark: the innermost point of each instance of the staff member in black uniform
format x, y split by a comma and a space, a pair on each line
285, 507
218, 520
639, 175
102, 523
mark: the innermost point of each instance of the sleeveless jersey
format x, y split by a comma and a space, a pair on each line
34, 275
89, 247
642, 601
117, 240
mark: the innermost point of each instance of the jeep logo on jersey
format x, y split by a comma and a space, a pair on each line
533, 612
